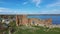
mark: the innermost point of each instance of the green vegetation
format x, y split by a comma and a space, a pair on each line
5, 27
31, 29
36, 30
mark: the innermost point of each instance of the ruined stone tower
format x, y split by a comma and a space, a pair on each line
21, 20
24, 20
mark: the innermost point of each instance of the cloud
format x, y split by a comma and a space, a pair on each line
24, 3
6, 11
53, 11
57, 3
37, 2
19, 11
15, 11
52, 8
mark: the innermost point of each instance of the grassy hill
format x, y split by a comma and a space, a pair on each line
32, 30
36, 30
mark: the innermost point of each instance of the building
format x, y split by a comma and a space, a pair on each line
23, 20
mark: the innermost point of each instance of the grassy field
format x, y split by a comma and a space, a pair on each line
33, 30
36, 30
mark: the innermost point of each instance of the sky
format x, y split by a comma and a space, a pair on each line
29, 6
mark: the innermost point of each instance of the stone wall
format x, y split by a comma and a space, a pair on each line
48, 21
34, 21
40, 22
23, 20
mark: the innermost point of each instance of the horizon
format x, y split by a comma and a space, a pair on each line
55, 19
20, 7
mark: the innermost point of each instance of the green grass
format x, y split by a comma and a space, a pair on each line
36, 30
33, 30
